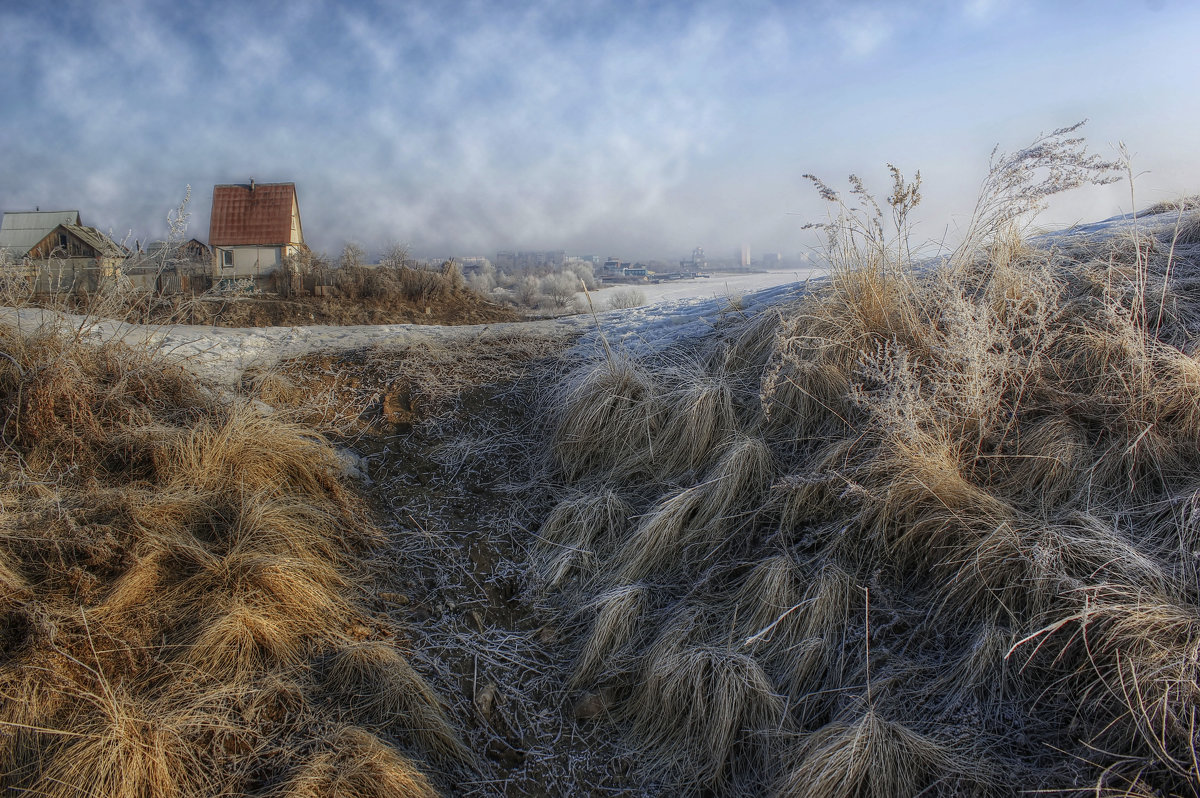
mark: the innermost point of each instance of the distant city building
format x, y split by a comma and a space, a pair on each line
744, 256
697, 263
473, 263
771, 260
532, 259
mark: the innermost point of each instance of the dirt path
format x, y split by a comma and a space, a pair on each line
454, 478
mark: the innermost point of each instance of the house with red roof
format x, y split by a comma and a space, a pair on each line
253, 227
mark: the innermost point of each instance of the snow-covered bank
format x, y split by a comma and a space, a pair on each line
718, 285
222, 354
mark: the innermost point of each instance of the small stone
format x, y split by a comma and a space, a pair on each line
500, 751
396, 407
590, 706
395, 598
485, 700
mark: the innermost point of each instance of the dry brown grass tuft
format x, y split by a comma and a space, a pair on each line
384, 692
620, 616
275, 388
661, 535
700, 417
259, 453
585, 518
574, 531
356, 764
698, 703
172, 564
242, 640
125, 750
771, 594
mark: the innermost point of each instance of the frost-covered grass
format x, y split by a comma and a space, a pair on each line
926, 530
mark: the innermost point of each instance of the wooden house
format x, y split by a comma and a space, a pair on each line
72, 258
20, 231
181, 252
253, 227
171, 267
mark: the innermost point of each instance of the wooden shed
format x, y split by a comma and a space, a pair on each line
72, 258
22, 230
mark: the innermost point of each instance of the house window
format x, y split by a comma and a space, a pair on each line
227, 258
62, 240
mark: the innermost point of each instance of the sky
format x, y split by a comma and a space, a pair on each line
635, 129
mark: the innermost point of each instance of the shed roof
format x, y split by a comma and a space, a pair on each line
252, 214
21, 230
155, 248
104, 246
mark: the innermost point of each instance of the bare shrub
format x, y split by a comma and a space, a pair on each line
626, 298
560, 288
584, 274
353, 256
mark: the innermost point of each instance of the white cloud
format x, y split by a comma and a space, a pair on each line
979, 12
862, 32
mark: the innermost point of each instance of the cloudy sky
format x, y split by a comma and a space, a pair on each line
637, 128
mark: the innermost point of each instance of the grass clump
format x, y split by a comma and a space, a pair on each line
872, 757
356, 763
383, 691
173, 564
928, 530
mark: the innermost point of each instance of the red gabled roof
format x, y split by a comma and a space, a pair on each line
245, 215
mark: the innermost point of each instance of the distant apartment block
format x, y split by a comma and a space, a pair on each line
534, 259
473, 263
697, 263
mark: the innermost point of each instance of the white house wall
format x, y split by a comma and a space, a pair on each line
247, 261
